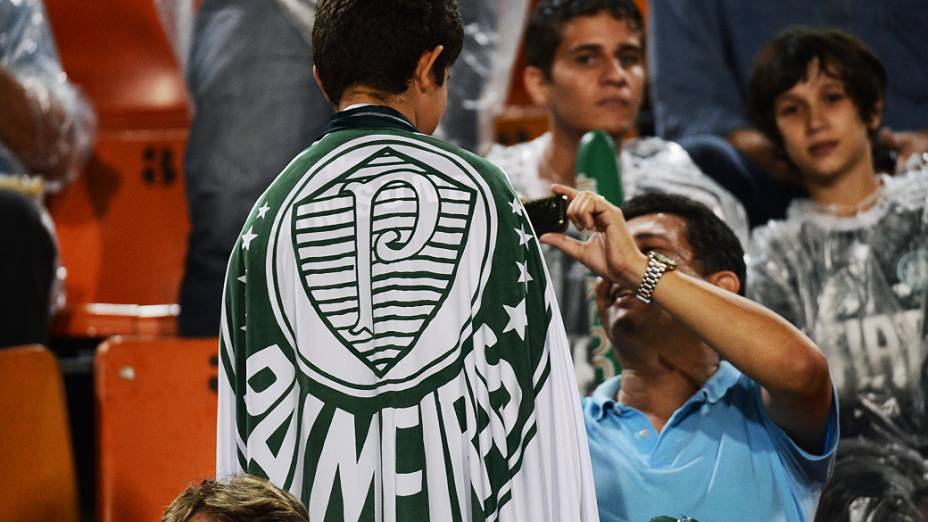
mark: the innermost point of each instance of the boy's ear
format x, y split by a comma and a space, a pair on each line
536, 85
319, 83
424, 78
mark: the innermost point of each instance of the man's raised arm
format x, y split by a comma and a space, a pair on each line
793, 373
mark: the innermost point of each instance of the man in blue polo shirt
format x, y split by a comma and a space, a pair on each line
723, 411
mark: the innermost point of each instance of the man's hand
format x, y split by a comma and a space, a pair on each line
604, 300
610, 251
905, 144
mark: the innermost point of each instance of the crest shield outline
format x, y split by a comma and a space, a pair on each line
441, 342
402, 295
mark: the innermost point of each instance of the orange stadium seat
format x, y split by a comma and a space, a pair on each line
37, 478
122, 225
156, 404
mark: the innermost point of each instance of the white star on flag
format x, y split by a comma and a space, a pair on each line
248, 237
262, 210
523, 237
243, 279
524, 276
516, 206
517, 319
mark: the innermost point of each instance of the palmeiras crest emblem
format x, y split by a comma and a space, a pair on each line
381, 256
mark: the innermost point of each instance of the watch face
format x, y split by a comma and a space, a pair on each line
671, 264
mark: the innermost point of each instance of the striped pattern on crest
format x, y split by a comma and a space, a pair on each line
405, 293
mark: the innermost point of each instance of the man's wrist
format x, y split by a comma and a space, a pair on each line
657, 266
634, 272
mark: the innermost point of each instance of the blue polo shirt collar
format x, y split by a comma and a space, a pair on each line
720, 382
603, 398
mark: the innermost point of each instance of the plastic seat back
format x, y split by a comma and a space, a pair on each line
37, 477
156, 404
122, 226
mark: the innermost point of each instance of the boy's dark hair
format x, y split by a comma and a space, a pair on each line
785, 60
377, 43
546, 25
715, 247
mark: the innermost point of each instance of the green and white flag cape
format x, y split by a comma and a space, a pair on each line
391, 349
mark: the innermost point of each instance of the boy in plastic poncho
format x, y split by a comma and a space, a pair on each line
848, 265
586, 67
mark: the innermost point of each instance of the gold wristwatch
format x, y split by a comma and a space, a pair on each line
657, 265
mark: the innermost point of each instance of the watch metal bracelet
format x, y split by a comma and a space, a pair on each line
652, 275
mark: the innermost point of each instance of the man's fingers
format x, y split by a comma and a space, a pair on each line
576, 199
566, 244
574, 211
603, 292
564, 190
581, 210
590, 211
604, 301
608, 215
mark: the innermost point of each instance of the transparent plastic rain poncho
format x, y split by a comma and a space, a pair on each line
857, 286
480, 76
65, 123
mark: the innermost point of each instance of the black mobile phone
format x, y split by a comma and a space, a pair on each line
548, 214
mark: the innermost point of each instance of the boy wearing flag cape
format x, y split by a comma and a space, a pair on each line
391, 347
